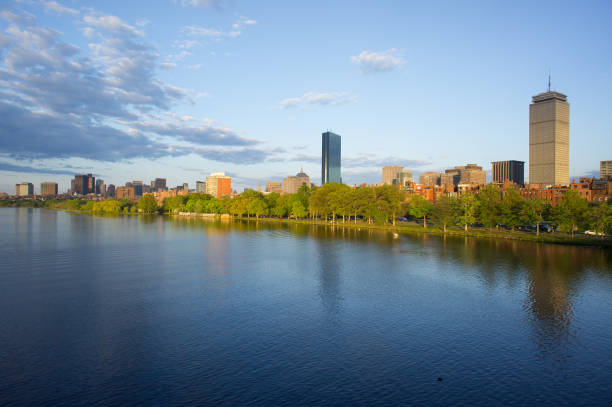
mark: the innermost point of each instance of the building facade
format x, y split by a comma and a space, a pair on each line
83, 184
291, 184
405, 179
125, 193
390, 174
512, 170
137, 185
430, 179
218, 184
24, 189
48, 188
274, 186
200, 187
159, 184
549, 139
331, 158
605, 169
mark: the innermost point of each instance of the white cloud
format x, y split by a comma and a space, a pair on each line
167, 65
197, 3
112, 24
381, 61
58, 8
89, 32
313, 98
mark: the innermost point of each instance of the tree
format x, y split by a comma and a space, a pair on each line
298, 209
442, 211
489, 202
387, 203
532, 211
257, 206
511, 207
600, 218
419, 207
148, 204
465, 210
571, 211
363, 205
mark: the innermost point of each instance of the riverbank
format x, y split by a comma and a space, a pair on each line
481, 233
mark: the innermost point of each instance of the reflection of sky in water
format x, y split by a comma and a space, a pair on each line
243, 311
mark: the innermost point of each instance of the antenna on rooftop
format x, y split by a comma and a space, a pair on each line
549, 79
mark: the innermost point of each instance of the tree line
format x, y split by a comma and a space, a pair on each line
382, 205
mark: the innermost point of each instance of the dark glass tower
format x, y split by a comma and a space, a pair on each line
330, 159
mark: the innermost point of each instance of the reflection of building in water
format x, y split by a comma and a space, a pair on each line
329, 276
550, 275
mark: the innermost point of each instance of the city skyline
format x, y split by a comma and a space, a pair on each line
108, 90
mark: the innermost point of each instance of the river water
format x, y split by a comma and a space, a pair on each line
167, 311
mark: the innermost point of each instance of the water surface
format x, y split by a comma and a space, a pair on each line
167, 311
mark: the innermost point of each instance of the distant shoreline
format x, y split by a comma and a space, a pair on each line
403, 228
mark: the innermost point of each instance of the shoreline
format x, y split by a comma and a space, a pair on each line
480, 233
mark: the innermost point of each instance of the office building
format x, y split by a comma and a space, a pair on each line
549, 139
186, 186
110, 191
605, 169
471, 174
390, 174
24, 189
125, 193
48, 188
405, 179
100, 187
83, 184
137, 185
274, 186
291, 184
159, 184
512, 170
200, 187
218, 184
430, 178
331, 158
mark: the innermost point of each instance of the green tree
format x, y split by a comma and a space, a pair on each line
532, 211
600, 218
489, 206
443, 212
419, 207
511, 207
364, 203
465, 210
298, 209
147, 204
257, 207
387, 203
570, 212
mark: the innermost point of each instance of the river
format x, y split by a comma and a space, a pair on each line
177, 311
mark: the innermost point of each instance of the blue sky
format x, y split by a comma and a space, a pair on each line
135, 90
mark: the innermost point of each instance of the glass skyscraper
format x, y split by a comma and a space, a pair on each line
330, 159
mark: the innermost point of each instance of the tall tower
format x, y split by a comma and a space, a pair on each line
549, 139
330, 158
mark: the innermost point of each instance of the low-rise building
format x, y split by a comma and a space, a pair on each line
125, 193
274, 186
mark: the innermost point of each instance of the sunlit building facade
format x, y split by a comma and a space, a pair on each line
331, 158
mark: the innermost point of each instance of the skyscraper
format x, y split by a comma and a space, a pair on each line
511, 170
390, 174
549, 139
605, 169
330, 159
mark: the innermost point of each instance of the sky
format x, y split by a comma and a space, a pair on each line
177, 89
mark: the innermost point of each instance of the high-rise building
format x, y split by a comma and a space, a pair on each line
110, 191
430, 178
218, 184
405, 179
83, 184
274, 186
159, 184
186, 186
331, 158
605, 169
472, 174
100, 187
390, 174
24, 189
200, 187
291, 184
48, 188
137, 185
549, 139
511, 170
